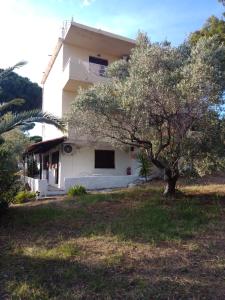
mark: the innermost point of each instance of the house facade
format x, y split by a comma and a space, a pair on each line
80, 59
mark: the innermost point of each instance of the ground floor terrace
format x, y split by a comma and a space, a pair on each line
52, 167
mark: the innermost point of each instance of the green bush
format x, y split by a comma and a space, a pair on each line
9, 181
145, 165
24, 196
77, 190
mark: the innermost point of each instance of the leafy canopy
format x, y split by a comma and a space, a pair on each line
10, 121
213, 26
154, 100
15, 86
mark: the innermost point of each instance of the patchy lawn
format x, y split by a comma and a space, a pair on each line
129, 244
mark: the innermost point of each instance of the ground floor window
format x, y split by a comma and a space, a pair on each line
104, 159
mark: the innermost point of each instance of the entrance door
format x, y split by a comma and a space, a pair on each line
46, 166
55, 164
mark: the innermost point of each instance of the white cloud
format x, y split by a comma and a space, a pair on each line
26, 34
87, 2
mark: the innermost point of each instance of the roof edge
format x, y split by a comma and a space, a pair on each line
37, 147
100, 31
52, 60
61, 40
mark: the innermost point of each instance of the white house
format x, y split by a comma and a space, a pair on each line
79, 59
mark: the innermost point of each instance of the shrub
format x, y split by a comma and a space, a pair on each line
145, 165
9, 181
77, 190
24, 196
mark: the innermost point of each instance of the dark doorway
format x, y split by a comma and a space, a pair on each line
40, 160
46, 165
55, 164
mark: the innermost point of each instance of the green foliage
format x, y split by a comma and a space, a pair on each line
9, 121
32, 167
9, 181
223, 3
13, 143
207, 154
132, 246
153, 101
24, 196
27, 117
213, 26
15, 86
10, 155
36, 138
77, 190
145, 165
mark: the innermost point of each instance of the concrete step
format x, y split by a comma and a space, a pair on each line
54, 191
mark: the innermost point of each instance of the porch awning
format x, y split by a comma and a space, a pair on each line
42, 147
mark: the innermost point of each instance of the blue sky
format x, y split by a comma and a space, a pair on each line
165, 19
29, 28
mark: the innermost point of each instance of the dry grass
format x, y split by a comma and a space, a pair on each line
129, 244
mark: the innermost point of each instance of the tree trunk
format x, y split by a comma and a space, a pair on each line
170, 188
171, 180
170, 177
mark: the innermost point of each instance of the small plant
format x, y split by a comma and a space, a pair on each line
145, 165
77, 190
24, 196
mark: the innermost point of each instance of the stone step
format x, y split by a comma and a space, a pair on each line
56, 193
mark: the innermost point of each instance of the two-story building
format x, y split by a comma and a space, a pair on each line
79, 59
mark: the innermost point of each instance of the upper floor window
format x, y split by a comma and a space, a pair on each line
98, 65
98, 61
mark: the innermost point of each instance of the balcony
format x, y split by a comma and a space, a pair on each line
82, 73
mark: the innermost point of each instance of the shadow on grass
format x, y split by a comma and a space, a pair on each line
138, 216
36, 278
206, 198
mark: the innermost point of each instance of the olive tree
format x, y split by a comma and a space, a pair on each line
153, 100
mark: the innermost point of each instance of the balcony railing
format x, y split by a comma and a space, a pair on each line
79, 70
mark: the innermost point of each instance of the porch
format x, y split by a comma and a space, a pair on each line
95, 167
94, 182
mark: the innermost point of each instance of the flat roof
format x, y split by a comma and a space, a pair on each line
90, 38
100, 31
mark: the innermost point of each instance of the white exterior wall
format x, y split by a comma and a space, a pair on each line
37, 185
52, 97
70, 52
68, 98
56, 100
81, 164
79, 168
100, 182
74, 52
51, 171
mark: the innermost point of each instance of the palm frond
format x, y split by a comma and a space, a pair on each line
6, 105
6, 72
33, 116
